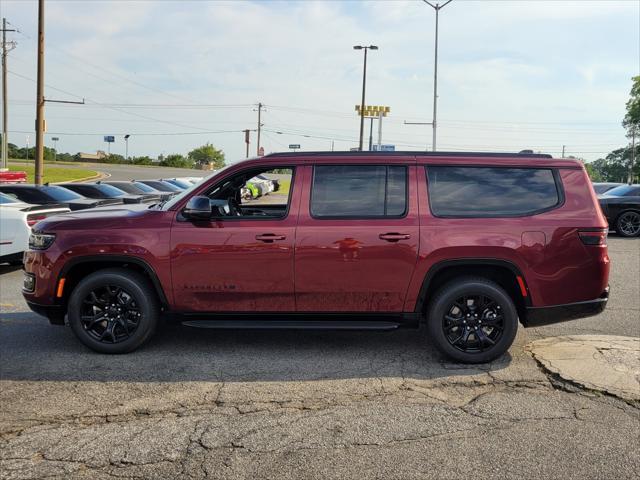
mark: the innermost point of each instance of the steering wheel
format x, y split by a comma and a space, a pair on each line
234, 207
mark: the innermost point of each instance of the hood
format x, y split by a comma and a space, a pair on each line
101, 218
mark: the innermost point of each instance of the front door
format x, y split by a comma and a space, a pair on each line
357, 237
241, 261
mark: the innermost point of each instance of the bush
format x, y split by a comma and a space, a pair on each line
176, 160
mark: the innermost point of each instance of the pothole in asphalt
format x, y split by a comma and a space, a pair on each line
604, 363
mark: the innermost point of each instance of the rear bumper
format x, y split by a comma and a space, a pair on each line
539, 316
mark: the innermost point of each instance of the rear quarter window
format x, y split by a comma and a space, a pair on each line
492, 191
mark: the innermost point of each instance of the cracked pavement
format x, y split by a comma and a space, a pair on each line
224, 404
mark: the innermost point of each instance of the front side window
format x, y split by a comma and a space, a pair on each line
259, 193
491, 192
359, 191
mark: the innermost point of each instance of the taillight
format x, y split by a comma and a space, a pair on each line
593, 236
35, 218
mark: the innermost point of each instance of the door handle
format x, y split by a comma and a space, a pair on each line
394, 237
270, 237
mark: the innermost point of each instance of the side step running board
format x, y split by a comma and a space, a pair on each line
294, 324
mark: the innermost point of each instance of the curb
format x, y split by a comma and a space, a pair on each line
98, 176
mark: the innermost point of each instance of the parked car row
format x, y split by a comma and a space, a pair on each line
621, 206
23, 205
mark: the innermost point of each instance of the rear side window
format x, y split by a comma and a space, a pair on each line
359, 191
491, 192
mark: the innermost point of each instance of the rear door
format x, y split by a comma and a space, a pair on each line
357, 237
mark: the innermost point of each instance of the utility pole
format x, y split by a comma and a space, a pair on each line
5, 128
247, 140
563, 146
40, 122
633, 154
259, 128
437, 7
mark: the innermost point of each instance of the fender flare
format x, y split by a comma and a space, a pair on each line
439, 266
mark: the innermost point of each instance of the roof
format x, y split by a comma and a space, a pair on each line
410, 153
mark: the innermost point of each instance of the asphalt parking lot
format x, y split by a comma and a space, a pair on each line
224, 404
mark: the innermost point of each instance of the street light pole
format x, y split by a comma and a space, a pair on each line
437, 7
126, 146
364, 88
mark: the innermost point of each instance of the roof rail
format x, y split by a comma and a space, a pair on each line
523, 153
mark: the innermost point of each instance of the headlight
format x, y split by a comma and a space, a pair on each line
41, 241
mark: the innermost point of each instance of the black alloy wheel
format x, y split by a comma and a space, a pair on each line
473, 323
110, 314
472, 320
628, 224
113, 310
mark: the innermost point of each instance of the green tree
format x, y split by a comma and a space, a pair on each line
615, 166
594, 174
632, 118
207, 154
176, 160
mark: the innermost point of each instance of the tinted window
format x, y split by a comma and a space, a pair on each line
490, 192
60, 194
4, 198
143, 187
624, 191
359, 191
109, 190
162, 186
126, 187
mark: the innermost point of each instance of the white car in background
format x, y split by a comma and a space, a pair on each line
16, 220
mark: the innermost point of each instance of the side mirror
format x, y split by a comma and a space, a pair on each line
198, 208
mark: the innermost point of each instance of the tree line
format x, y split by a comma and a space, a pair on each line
201, 156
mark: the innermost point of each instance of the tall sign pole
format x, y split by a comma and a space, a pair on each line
437, 7
40, 125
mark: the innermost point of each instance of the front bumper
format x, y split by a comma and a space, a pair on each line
55, 313
539, 316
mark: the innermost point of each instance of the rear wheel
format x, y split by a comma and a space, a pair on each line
472, 320
113, 311
628, 224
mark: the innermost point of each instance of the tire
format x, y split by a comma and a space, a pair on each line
628, 224
113, 311
463, 337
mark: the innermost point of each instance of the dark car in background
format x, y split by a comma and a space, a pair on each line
51, 194
137, 188
162, 186
101, 191
603, 187
621, 206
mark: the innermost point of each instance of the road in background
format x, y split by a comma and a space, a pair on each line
130, 172
297, 404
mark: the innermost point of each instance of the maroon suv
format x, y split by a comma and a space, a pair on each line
468, 244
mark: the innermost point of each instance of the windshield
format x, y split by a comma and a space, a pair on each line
187, 192
144, 187
7, 199
109, 190
60, 194
622, 190
180, 183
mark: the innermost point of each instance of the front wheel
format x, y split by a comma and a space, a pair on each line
113, 311
628, 224
472, 320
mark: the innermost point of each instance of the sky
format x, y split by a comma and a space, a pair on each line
177, 74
